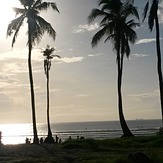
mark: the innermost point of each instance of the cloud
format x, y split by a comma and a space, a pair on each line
141, 55
7, 84
70, 59
153, 94
6, 79
6, 102
74, 59
145, 41
83, 95
21, 54
86, 27
15, 67
94, 55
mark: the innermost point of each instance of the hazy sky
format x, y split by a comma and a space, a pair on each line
83, 84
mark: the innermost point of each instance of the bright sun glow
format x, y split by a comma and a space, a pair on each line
15, 133
6, 15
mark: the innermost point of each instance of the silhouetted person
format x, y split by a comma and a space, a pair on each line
82, 138
60, 140
56, 139
27, 140
69, 138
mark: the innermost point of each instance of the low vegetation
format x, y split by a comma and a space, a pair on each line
116, 150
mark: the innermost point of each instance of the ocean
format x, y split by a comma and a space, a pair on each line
17, 133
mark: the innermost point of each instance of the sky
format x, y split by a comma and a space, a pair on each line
83, 83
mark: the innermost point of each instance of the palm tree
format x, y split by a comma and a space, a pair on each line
37, 26
153, 18
117, 25
47, 53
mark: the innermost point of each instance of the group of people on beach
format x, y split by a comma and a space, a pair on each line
27, 140
57, 140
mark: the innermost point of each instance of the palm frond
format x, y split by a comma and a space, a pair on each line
96, 13
58, 56
110, 37
102, 1
13, 25
35, 31
107, 18
46, 5
105, 7
54, 6
46, 27
131, 35
132, 24
110, 5
98, 36
127, 48
18, 10
26, 3
111, 27
152, 14
129, 9
17, 31
38, 2
145, 11
151, 22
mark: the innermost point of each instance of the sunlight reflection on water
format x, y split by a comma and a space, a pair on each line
15, 133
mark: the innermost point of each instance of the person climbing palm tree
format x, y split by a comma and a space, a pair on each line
117, 23
37, 26
48, 54
153, 18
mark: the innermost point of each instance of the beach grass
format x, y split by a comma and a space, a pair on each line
86, 151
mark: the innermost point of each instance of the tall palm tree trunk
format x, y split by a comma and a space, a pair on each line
36, 140
48, 119
159, 69
125, 129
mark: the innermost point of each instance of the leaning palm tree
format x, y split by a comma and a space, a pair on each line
47, 53
37, 26
153, 18
117, 25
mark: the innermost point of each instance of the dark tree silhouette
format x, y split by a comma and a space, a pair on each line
117, 23
153, 18
37, 26
48, 54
